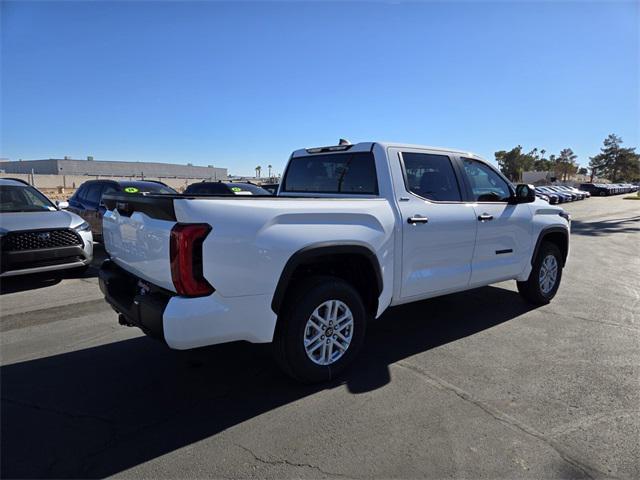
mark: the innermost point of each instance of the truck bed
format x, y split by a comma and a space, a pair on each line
247, 233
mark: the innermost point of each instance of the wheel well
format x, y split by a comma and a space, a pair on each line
360, 268
559, 239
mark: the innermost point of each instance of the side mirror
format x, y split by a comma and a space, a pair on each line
524, 194
62, 204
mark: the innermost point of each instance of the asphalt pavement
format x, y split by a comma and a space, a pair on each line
471, 385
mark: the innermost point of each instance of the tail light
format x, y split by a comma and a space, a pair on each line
186, 259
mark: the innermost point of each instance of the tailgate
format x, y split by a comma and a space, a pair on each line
136, 232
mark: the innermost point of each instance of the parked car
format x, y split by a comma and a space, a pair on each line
552, 197
36, 236
87, 200
573, 191
351, 232
543, 197
600, 190
574, 196
563, 197
225, 188
584, 193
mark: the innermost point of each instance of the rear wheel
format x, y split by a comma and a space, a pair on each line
544, 279
320, 330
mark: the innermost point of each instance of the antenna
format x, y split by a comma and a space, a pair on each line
344, 141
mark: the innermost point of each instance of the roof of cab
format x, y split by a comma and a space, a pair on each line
367, 146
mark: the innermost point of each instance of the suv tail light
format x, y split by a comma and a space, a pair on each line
186, 259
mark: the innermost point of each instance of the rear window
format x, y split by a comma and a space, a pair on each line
208, 188
138, 187
333, 173
219, 188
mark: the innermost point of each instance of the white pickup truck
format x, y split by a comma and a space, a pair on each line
353, 230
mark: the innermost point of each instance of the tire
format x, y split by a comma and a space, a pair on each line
315, 296
539, 288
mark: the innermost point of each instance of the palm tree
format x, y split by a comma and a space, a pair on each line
258, 170
269, 167
567, 163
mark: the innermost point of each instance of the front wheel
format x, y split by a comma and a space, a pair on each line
320, 330
544, 279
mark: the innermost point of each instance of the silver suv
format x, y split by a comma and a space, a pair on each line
36, 236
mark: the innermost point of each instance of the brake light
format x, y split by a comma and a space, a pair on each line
185, 252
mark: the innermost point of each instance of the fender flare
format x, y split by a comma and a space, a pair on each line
310, 253
544, 232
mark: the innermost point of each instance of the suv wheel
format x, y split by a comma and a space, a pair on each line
544, 279
320, 330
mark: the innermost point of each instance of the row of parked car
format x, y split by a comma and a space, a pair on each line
555, 194
605, 189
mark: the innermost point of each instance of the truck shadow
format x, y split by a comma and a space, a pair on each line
99, 411
606, 227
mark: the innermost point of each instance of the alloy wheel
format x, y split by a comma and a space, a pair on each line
328, 332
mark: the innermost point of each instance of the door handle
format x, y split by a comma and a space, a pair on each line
417, 219
485, 217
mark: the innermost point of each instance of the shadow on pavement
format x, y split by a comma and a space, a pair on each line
102, 410
606, 227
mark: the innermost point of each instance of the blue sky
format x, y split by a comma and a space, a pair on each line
241, 84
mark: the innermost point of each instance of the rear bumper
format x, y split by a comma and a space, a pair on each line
182, 322
137, 306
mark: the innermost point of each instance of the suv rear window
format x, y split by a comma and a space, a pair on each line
147, 187
218, 188
332, 173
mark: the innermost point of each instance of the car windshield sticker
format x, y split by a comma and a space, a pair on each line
239, 191
131, 190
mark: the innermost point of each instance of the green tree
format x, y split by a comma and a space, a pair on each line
565, 164
514, 162
614, 162
540, 162
582, 171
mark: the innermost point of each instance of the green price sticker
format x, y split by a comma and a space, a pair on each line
131, 190
236, 189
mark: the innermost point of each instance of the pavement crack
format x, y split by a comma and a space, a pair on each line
587, 470
289, 463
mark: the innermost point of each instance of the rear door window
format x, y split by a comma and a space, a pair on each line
431, 177
352, 173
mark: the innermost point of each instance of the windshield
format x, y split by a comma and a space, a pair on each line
23, 198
